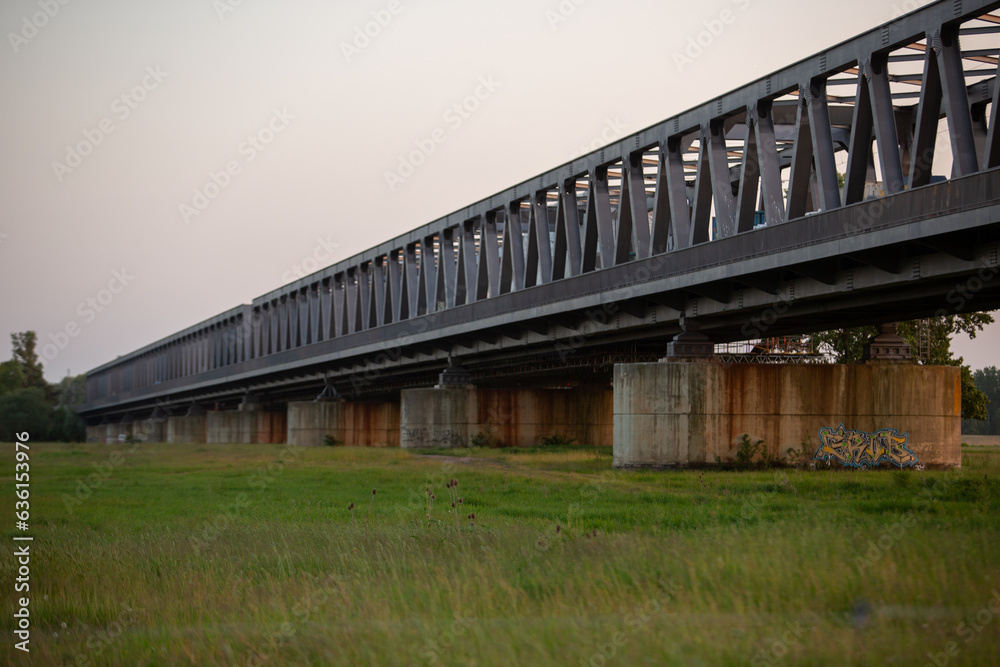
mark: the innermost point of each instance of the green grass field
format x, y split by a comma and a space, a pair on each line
249, 555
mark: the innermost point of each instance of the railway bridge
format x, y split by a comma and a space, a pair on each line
858, 186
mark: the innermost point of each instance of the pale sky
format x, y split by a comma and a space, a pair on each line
116, 113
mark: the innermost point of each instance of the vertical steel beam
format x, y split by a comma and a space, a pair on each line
661, 207
928, 114
378, 301
602, 211
802, 156
825, 162
447, 268
640, 209
746, 201
770, 171
512, 262
394, 285
701, 216
680, 209
722, 185
340, 300
488, 282
589, 258
859, 150
956, 103
538, 269
469, 256
351, 315
411, 283
623, 236
991, 157
570, 226
885, 123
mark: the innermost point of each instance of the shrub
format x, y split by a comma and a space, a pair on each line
485, 438
557, 440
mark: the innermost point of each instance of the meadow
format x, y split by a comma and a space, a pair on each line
253, 555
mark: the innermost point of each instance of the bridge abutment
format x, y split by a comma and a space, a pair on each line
684, 413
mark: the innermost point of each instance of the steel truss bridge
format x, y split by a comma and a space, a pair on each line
857, 186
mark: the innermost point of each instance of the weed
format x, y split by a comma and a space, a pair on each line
331, 441
557, 440
485, 437
800, 458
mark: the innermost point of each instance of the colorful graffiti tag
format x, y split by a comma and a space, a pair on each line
858, 449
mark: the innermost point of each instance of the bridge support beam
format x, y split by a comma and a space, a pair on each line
678, 414
352, 423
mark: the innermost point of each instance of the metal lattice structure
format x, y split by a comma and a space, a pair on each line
717, 216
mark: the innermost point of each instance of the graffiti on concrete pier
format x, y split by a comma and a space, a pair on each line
859, 449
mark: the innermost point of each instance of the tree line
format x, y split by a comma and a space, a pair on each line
29, 403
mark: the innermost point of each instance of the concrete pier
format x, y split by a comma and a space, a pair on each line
245, 427
352, 423
186, 430
446, 417
451, 417
676, 414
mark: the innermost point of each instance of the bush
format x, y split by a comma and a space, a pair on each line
485, 438
800, 458
25, 410
331, 441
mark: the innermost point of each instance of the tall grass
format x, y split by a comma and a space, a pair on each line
249, 555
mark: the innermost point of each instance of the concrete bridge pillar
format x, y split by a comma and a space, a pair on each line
248, 425
187, 429
877, 413
455, 412
350, 423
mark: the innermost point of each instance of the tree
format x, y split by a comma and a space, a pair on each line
72, 390
987, 380
11, 377
24, 354
25, 410
29, 403
847, 346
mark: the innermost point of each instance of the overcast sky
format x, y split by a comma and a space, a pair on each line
165, 161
